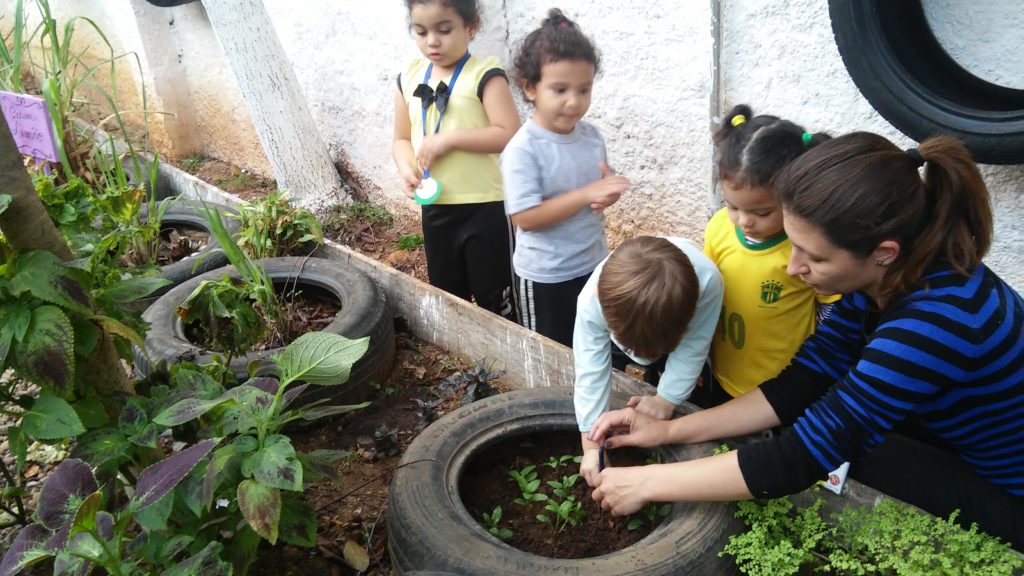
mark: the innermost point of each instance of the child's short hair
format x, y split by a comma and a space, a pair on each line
468, 10
751, 150
648, 292
558, 38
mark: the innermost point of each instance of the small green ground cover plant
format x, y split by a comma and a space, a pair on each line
890, 538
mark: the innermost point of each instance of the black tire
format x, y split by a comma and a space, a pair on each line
364, 312
190, 213
169, 3
429, 528
905, 73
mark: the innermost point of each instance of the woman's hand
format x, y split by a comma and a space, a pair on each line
633, 428
433, 147
654, 406
620, 490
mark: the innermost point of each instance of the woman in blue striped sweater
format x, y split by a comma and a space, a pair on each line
926, 338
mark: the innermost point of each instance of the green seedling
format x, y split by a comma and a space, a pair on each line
491, 523
409, 242
555, 463
529, 483
569, 512
563, 489
650, 515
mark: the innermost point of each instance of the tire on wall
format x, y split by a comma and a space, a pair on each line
364, 312
904, 72
169, 3
430, 530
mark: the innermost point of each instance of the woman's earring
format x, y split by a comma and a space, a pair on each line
880, 262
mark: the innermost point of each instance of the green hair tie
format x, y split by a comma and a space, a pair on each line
807, 137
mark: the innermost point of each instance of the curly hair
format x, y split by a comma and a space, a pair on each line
558, 38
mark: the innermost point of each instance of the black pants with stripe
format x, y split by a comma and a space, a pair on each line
550, 309
469, 253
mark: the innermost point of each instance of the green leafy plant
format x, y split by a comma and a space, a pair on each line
563, 488
890, 538
272, 226
650, 514
556, 462
233, 314
193, 163
409, 242
529, 484
565, 513
491, 523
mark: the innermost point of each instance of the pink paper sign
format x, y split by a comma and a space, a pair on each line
29, 121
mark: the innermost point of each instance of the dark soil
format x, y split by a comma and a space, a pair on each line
487, 483
308, 310
177, 242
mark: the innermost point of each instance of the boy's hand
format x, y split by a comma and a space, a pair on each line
606, 191
590, 466
653, 406
433, 147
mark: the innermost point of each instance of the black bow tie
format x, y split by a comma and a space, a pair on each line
428, 96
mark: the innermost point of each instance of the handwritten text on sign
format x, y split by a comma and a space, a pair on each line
29, 121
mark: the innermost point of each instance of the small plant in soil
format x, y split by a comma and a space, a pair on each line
565, 513
556, 462
650, 514
474, 384
491, 521
272, 226
193, 163
409, 242
529, 484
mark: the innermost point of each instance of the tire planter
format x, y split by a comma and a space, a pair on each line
189, 213
364, 312
904, 72
430, 530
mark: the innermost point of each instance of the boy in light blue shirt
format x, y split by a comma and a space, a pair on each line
651, 297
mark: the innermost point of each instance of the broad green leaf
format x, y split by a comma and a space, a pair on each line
46, 355
19, 317
17, 441
85, 545
85, 516
51, 418
5, 347
298, 522
160, 478
155, 517
117, 328
223, 465
147, 438
275, 464
206, 562
261, 506
135, 288
101, 447
87, 336
91, 412
185, 411
190, 491
324, 411
320, 358
174, 545
46, 277
5, 201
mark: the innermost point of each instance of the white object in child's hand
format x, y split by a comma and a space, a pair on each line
428, 191
837, 478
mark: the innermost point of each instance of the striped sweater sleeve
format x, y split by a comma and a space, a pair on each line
950, 354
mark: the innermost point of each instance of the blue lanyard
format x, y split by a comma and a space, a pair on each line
451, 88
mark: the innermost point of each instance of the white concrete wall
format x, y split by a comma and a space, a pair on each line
652, 98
